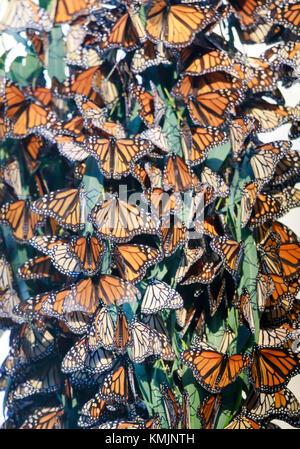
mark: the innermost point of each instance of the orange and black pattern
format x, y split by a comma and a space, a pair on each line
146, 277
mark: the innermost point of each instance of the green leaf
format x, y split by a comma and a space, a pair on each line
93, 181
172, 130
217, 155
22, 70
56, 65
196, 395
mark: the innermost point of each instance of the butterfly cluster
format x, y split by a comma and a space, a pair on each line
145, 276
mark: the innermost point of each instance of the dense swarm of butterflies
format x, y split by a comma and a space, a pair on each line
158, 314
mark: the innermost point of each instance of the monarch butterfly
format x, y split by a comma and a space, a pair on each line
102, 330
268, 115
208, 411
157, 137
142, 338
9, 299
177, 175
159, 296
39, 268
271, 369
114, 290
269, 255
6, 274
122, 337
281, 288
257, 207
210, 108
92, 411
287, 53
79, 170
89, 251
240, 129
213, 184
21, 220
5, 128
176, 25
66, 206
37, 41
81, 84
246, 12
93, 112
32, 146
286, 15
152, 107
127, 32
163, 203
149, 176
45, 243
36, 341
188, 258
202, 140
46, 379
230, 252
133, 260
119, 221
27, 116
123, 424
203, 270
81, 296
67, 10
106, 88
73, 305
281, 404
116, 387
289, 254
242, 422
262, 76
45, 418
279, 313
32, 16
115, 157
266, 157
173, 235
289, 197
70, 148
160, 345
195, 86
216, 292
147, 56
31, 309
79, 357
274, 337
212, 60
11, 175
264, 287
172, 406
212, 369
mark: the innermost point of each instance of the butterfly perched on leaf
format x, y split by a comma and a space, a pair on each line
119, 221
21, 220
132, 260
230, 252
208, 410
272, 368
45, 418
159, 296
176, 25
66, 206
172, 406
213, 369
116, 157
